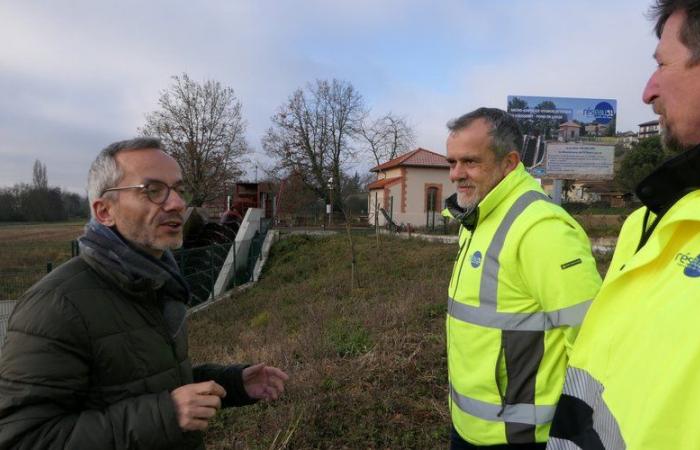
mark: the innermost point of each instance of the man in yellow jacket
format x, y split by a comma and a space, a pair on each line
633, 377
522, 281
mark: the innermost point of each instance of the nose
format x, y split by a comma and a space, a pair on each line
457, 172
651, 90
174, 202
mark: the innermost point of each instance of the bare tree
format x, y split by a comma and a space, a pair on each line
386, 137
312, 135
39, 178
202, 127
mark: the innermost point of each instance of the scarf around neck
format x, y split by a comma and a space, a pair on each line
137, 271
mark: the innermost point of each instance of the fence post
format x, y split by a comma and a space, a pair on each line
211, 270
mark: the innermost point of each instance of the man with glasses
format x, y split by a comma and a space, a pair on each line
96, 352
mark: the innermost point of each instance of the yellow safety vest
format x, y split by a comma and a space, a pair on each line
633, 377
521, 284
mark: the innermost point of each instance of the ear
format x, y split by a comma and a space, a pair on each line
103, 209
510, 162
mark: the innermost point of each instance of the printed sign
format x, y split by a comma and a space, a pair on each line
582, 117
580, 161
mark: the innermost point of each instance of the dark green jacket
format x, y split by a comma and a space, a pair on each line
89, 364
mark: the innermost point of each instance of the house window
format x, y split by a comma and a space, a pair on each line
432, 201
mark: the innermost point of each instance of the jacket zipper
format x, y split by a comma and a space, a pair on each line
462, 253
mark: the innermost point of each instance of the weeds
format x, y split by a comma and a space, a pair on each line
367, 365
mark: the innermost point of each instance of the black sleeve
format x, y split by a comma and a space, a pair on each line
230, 378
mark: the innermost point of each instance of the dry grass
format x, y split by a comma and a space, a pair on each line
367, 368
25, 246
25, 250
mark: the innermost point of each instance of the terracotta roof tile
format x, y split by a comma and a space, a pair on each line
383, 182
419, 157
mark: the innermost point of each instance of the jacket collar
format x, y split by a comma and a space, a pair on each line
671, 181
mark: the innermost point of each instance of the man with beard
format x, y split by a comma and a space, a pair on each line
96, 352
522, 281
633, 377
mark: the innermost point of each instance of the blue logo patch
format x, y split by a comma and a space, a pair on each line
693, 268
476, 259
690, 264
603, 113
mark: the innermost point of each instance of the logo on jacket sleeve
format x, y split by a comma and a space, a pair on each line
691, 265
476, 259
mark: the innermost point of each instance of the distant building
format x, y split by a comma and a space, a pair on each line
411, 188
649, 129
596, 129
627, 138
569, 131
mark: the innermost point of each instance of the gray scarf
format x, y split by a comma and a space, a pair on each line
138, 271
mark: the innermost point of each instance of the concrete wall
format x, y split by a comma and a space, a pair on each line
250, 225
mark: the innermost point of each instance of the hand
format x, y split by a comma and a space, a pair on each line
196, 403
264, 382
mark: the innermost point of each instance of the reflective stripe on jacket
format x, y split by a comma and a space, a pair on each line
521, 284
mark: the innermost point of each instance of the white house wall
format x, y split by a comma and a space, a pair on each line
410, 208
417, 180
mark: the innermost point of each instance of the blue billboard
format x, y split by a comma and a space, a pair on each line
562, 119
543, 115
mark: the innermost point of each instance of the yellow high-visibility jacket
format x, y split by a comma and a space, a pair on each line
633, 381
522, 281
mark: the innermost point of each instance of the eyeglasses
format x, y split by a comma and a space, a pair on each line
157, 191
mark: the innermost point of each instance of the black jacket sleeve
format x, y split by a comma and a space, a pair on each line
45, 379
230, 378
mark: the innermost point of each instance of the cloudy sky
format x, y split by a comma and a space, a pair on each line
77, 75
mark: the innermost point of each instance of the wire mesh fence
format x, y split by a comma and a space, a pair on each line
13, 283
201, 267
6, 308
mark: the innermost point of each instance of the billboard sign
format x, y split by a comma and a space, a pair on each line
563, 119
542, 116
580, 161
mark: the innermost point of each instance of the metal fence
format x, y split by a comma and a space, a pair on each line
14, 282
201, 267
6, 308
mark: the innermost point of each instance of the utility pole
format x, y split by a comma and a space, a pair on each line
330, 201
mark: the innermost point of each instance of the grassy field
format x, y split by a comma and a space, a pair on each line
32, 245
367, 365
26, 248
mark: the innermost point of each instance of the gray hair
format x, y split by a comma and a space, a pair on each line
506, 135
690, 30
105, 173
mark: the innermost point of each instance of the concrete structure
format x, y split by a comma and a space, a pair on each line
411, 188
238, 254
649, 129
